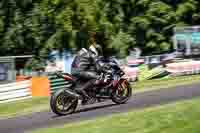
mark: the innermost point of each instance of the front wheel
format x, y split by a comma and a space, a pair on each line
122, 93
62, 104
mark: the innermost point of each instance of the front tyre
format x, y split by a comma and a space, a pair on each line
62, 104
122, 93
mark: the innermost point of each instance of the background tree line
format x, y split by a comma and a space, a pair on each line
38, 26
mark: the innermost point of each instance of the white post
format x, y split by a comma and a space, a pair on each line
188, 45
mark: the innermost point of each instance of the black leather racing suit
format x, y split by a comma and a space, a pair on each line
84, 67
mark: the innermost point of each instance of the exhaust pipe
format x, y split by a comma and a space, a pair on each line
103, 97
70, 93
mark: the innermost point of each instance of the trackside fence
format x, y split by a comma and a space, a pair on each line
57, 83
15, 91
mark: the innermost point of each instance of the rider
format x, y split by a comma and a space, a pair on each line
84, 67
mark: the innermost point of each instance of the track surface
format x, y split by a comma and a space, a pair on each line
138, 101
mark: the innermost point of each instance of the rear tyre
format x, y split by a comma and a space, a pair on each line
62, 103
123, 92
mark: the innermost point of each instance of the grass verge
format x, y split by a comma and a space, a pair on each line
148, 85
42, 103
181, 117
24, 107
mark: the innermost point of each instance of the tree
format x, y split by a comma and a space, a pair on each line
36, 27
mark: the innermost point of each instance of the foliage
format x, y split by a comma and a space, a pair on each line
38, 26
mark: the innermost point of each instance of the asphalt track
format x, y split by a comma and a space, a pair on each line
140, 100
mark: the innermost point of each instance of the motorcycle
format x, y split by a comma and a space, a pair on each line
111, 85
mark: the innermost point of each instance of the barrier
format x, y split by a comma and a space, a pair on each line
57, 83
184, 68
37, 86
150, 59
40, 86
146, 74
15, 91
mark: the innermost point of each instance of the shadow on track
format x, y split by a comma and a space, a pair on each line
89, 109
95, 108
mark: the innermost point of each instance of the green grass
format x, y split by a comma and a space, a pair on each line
24, 107
148, 85
181, 117
42, 103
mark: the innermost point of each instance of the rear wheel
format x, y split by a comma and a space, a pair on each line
62, 104
122, 93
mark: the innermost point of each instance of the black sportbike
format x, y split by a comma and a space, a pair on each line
112, 86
